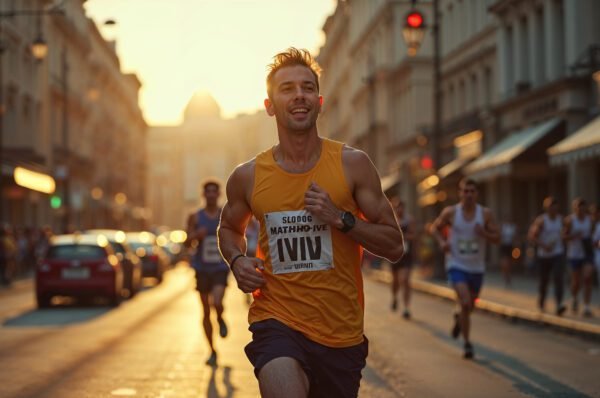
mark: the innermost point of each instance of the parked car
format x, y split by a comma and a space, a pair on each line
132, 265
155, 261
79, 265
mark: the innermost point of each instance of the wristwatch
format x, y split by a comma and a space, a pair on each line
348, 220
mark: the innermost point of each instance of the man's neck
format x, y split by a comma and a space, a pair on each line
468, 207
211, 209
298, 152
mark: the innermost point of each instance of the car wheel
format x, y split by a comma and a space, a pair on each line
43, 301
115, 300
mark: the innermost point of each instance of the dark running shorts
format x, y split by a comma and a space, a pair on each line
506, 251
205, 281
332, 372
405, 262
473, 280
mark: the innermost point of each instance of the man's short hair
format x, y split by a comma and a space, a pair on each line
211, 181
291, 57
549, 201
467, 181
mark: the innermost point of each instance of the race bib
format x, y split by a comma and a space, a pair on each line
210, 250
468, 247
298, 242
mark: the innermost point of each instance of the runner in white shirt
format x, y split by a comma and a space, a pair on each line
545, 233
471, 226
580, 254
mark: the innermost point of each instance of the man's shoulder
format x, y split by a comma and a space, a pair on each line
244, 170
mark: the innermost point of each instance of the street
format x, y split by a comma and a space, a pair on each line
152, 346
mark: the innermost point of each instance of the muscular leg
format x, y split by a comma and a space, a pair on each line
283, 377
208, 331
217, 293
576, 275
465, 301
588, 273
395, 287
545, 269
405, 282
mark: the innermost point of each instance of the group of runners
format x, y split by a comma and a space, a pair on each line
292, 231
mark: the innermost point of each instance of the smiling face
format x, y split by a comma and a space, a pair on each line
295, 100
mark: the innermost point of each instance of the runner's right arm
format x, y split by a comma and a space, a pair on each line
234, 219
444, 220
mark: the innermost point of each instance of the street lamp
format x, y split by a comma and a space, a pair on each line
39, 48
413, 32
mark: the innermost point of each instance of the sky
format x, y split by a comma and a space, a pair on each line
179, 47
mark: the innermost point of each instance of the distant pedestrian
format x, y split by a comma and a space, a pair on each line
596, 240
580, 254
211, 270
470, 227
546, 233
508, 232
401, 270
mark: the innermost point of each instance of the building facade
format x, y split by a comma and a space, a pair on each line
73, 117
204, 145
515, 80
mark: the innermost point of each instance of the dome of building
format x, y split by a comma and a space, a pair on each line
202, 105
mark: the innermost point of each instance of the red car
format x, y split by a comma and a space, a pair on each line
81, 266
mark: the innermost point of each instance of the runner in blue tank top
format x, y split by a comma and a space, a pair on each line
470, 227
211, 271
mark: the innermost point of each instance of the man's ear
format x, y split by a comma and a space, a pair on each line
269, 107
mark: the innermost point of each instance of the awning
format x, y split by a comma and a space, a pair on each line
584, 144
389, 181
497, 161
450, 168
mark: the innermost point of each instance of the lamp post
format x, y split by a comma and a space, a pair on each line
39, 50
413, 32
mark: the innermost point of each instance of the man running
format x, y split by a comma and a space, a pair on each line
470, 227
545, 232
211, 270
401, 269
580, 254
317, 201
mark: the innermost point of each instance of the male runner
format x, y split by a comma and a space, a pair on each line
401, 270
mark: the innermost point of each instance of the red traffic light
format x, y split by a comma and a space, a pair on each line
426, 162
415, 20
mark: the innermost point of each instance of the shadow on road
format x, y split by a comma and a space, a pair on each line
58, 316
524, 378
212, 391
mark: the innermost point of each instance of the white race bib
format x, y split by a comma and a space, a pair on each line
298, 242
210, 250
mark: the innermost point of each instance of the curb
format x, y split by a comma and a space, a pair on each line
505, 311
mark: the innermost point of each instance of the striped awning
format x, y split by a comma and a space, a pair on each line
582, 145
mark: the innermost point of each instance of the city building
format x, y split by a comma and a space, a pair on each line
73, 118
518, 102
204, 145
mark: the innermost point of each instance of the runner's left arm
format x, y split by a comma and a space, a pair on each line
490, 230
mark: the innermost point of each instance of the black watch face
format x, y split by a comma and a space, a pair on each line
348, 219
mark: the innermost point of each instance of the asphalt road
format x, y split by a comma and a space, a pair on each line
152, 346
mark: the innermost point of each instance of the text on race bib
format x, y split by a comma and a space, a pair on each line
210, 250
298, 242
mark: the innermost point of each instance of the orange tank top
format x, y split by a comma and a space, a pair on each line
312, 271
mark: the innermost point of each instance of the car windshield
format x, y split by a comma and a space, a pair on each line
75, 252
137, 245
117, 247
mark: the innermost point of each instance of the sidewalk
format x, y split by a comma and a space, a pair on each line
518, 302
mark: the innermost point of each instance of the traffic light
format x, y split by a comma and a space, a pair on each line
426, 162
55, 201
414, 19
413, 31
